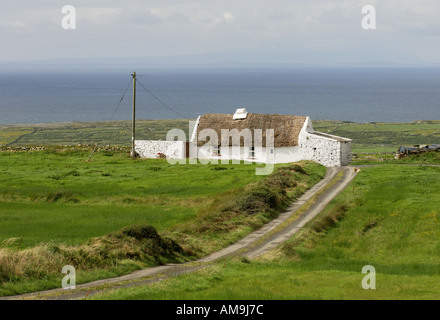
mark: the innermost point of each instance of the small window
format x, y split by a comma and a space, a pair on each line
216, 151
271, 151
252, 152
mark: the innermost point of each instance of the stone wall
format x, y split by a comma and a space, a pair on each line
345, 153
150, 149
323, 150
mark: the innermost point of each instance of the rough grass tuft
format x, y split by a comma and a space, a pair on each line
329, 219
370, 225
138, 242
64, 196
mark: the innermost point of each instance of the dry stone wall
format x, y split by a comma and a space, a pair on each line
151, 149
323, 150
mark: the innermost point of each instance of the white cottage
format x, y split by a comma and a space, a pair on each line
292, 139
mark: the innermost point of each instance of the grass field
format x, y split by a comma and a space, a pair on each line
114, 215
56, 195
383, 137
72, 133
388, 218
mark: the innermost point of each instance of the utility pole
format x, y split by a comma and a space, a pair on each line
133, 130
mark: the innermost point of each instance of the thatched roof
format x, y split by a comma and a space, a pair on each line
286, 127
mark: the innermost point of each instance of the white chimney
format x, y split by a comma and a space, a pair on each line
240, 114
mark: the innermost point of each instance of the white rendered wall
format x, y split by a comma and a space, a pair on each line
236, 153
288, 154
150, 149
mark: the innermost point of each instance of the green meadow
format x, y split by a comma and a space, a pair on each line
383, 137
388, 218
57, 195
113, 215
73, 133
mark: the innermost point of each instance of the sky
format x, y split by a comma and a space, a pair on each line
223, 31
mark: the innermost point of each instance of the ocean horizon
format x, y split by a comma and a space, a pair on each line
346, 94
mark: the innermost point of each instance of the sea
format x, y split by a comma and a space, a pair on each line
357, 94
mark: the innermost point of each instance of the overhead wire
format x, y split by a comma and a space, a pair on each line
160, 101
113, 114
120, 101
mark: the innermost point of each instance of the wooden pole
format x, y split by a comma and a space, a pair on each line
133, 131
94, 149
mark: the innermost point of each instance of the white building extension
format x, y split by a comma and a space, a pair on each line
266, 138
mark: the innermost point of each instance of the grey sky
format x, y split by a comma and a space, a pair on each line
277, 31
